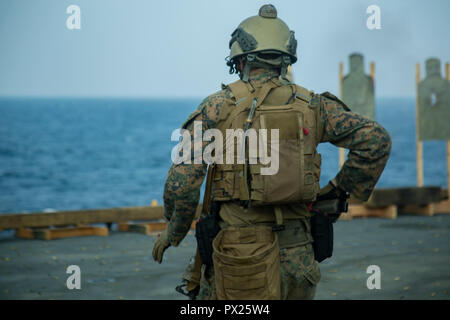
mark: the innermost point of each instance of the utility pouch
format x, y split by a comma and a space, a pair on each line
247, 263
206, 230
322, 233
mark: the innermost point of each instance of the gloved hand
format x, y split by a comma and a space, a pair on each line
162, 243
330, 191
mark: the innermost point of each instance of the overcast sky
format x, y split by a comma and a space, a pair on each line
169, 48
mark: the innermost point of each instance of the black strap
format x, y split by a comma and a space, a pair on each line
207, 198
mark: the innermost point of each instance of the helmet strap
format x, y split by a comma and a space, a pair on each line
286, 61
246, 72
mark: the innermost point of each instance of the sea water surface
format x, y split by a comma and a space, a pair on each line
86, 153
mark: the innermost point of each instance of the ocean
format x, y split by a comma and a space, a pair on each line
89, 153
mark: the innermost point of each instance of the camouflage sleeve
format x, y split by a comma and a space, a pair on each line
184, 180
368, 142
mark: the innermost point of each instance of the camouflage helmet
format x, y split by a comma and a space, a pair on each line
264, 34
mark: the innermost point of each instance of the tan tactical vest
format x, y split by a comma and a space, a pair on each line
289, 109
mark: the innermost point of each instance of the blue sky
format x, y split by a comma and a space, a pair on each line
171, 48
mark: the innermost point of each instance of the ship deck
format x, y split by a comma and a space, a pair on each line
413, 253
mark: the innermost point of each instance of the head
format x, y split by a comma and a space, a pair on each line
433, 67
356, 63
262, 41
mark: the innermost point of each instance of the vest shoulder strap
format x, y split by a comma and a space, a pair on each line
244, 99
314, 101
240, 90
304, 93
315, 105
206, 208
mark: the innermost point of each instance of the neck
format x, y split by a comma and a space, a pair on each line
263, 74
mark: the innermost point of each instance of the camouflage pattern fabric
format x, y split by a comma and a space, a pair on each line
434, 103
369, 145
358, 89
207, 285
300, 275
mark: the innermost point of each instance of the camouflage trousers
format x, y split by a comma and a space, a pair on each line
299, 275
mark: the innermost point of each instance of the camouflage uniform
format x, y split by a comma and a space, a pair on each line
369, 146
300, 274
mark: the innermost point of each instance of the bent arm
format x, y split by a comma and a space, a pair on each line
369, 144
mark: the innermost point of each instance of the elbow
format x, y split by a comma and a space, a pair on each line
382, 142
386, 141
377, 145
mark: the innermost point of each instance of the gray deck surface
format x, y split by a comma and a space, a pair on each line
413, 253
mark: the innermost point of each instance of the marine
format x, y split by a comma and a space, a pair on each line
264, 246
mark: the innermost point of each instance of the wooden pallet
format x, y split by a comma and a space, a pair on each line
82, 217
59, 233
442, 207
425, 201
345, 216
407, 196
359, 210
146, 228
423, 210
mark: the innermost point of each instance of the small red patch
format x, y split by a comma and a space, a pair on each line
305, 131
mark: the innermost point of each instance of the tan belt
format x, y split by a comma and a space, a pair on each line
296, 233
